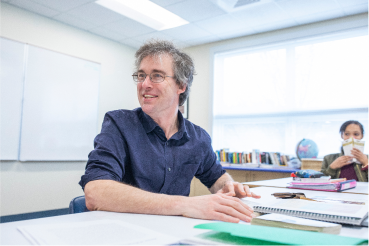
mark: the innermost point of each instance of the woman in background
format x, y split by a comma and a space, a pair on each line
341, 166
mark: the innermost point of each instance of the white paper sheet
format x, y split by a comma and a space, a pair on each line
101, 232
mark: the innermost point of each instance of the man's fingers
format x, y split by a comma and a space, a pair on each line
235, 209
247, 189
237, 204
255, 195
230, 188
240, 191
224, 217
234, 213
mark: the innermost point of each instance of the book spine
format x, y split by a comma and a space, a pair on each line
271, 154
253, 159
346, 184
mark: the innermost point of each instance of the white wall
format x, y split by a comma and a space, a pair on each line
200, 108
38, 186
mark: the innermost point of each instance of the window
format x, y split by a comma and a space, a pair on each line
271, 97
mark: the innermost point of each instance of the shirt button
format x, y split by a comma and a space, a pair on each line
169, 169
167, 143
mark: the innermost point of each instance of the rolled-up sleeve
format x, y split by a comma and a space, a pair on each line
211, 170
107, 159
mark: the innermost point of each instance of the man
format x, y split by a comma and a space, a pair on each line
144, 159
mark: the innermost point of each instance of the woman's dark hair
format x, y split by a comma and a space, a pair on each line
349, 122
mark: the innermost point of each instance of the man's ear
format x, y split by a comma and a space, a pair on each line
181, 89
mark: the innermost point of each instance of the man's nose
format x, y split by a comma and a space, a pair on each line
147, 82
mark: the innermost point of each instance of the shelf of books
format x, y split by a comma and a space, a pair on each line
273, 159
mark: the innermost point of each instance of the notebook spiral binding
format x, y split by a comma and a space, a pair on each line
309, 215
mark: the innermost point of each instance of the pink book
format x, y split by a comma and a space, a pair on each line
337, 186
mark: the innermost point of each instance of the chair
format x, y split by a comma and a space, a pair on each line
78, 205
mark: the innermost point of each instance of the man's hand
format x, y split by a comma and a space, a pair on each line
236, 189
217, 207
341, 161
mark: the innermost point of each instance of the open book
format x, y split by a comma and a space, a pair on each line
332, 212
351, 143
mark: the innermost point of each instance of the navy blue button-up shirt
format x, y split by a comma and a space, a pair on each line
133, 149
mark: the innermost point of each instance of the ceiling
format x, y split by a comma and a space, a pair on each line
208, 21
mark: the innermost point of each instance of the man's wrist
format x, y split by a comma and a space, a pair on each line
178, 205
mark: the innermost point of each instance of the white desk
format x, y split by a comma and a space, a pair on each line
361, 187
176, 226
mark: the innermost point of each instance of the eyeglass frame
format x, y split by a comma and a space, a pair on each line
136, 74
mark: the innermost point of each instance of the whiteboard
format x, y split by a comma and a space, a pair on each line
60, 107
11, 76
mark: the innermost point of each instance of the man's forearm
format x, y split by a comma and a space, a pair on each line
220, 183
109, 195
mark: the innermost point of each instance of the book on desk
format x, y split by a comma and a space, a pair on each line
290, 222
324, 186
353, 214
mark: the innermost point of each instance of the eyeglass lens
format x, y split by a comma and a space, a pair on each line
154, 77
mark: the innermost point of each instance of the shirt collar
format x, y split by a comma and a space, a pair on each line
147, 122
149, 125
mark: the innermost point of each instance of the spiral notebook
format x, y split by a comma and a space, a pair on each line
332, 212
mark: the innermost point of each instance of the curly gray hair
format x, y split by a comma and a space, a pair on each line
183, 65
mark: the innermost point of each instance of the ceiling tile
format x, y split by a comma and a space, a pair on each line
180, 45
153, 35
129, 27
35, 8
260, 15
209, 21
71, 20
164, 3
320, 16
95, 14
236, 33
132, 43
195, 10
101, 31
186, 32
346, 3
219, 24
356, 9
303, 8
203, 40
275, 25
63, 5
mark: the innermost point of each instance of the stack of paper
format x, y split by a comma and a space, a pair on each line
101, 232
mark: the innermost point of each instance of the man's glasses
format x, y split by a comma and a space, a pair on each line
155, 77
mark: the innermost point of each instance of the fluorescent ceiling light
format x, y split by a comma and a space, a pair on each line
145, 12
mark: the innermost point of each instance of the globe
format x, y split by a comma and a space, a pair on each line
307, 148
